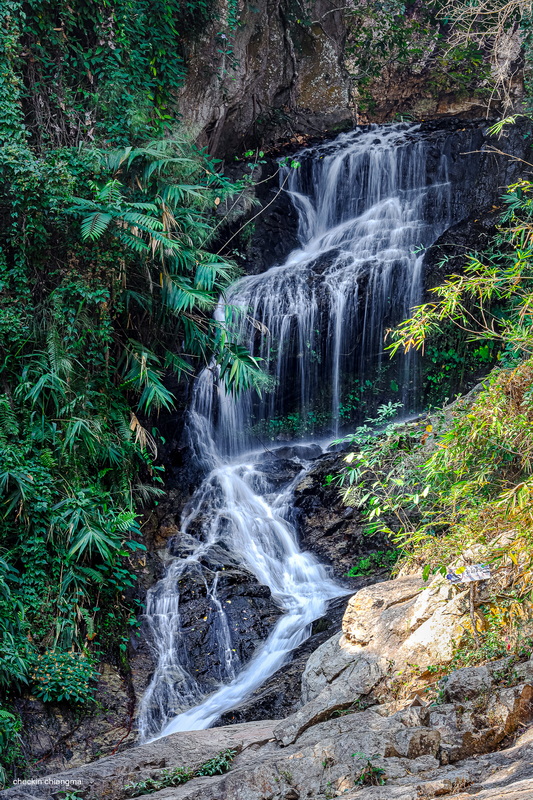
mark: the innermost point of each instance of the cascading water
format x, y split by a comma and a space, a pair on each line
365, 203
368, 204
241, 511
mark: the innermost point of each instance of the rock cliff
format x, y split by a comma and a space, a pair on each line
271, 75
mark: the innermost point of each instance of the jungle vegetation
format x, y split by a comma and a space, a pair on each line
108, 281
108, 286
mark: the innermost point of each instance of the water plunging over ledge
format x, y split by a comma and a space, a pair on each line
365, 203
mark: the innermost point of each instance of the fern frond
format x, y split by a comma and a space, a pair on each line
95, 224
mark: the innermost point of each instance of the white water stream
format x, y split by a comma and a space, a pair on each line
243, 513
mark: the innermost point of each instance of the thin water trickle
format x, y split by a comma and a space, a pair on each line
365, 203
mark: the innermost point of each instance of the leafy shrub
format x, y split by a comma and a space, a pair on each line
381, 559
10, 744
167, 778
218, 765
371, 774
58, 676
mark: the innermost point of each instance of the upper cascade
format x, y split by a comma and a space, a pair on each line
369, 203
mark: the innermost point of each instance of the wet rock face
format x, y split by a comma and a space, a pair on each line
250, 612
326, 526
209, 587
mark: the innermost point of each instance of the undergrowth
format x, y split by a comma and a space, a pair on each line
218, 765
366, 565
455, 487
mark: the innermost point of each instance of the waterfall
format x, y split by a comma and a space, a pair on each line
238, 507
367, 204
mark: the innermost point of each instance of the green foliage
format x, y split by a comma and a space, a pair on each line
156, 214
380, 477
15, 651
218, 765
450, 361
64, 676
11, 117
107, 288
103, 71
366, 565
436, 489
407, 35
10, 745
91, 322
371, 774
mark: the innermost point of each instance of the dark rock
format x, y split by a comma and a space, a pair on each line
249, 608
325, 525
278, 471
305, 452
287, 78
280, 695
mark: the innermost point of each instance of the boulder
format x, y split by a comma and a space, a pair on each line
406, 621
467, 683
305, 452
358, 679
378, 616
324, 666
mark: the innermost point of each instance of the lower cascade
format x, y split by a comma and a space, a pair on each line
367, 204
242, 512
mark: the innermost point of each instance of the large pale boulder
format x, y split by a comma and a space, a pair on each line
378, 615
406, 621
386, 627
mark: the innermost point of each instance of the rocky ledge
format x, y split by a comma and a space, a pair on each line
362, 720
424, 752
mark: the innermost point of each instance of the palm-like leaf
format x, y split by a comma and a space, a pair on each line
95, 225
